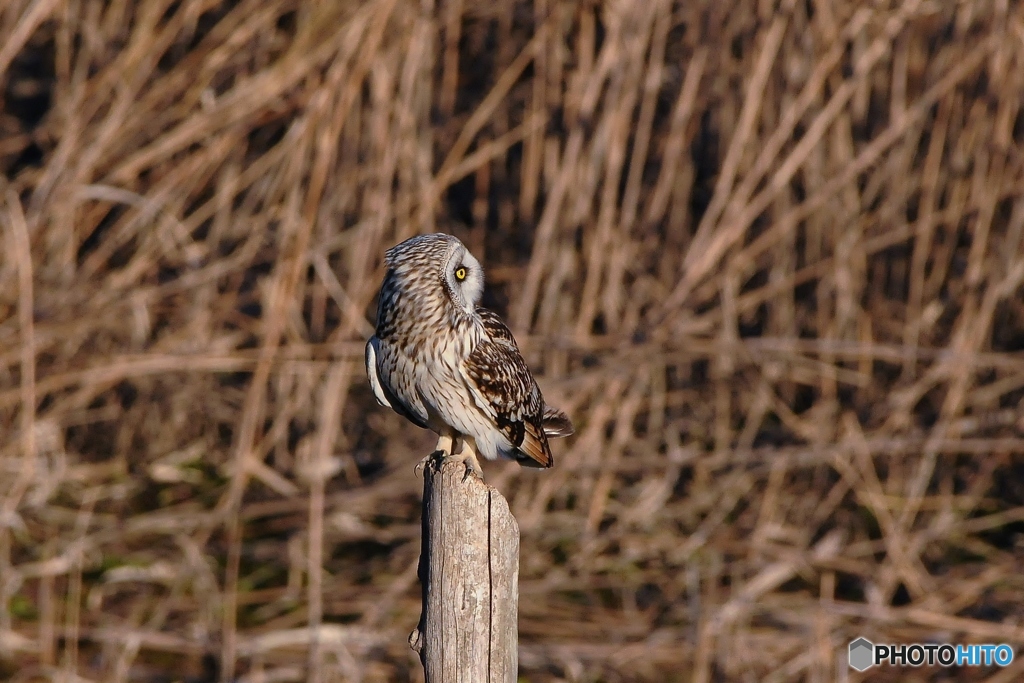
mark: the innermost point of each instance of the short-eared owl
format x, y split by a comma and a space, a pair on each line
452, 367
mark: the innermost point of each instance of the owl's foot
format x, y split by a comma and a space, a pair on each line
469, 460
418, 470
467, 456
442, 450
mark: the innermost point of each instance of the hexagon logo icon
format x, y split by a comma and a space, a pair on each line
862, 653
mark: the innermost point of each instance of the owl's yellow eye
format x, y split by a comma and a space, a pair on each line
460, 273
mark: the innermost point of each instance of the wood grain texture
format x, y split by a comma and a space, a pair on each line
469, 569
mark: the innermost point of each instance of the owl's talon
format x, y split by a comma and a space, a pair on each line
426, 460
470, 462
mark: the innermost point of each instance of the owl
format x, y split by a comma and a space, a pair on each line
450, 366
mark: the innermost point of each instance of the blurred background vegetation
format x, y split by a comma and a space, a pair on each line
768, 255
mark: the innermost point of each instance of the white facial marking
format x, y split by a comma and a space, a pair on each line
468, 289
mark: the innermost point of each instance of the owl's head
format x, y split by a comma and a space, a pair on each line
438, 258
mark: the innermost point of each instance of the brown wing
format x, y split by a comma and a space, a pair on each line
557, 423
505, 389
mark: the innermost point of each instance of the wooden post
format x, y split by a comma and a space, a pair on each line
469, 569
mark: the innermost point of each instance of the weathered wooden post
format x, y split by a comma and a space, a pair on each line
469, 569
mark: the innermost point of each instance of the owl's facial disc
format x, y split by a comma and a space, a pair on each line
465, 279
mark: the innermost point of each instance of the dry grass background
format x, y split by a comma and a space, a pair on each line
768, 255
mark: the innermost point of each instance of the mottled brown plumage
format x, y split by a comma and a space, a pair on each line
452, 367
503, 379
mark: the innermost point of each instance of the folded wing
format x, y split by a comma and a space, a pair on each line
503, 388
